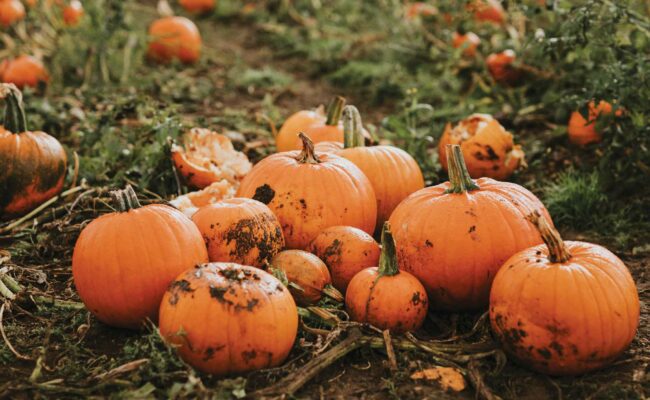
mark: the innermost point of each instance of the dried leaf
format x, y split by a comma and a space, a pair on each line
448, 378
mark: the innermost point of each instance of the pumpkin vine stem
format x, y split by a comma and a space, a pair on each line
334, 110
125, 200
352, 127
15, 120
459, 177
388, 258
557, 250
307, 155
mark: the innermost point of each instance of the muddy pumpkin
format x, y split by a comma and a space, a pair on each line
174, 38
308, 276
564, 308
229, 319
240, 230
583, 131
488, 149
25, 71
33, 164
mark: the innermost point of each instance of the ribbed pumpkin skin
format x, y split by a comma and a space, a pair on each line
123, 262
228, 318
568, 318
455, 243
308, 198
240, 230
32, 170
393, 173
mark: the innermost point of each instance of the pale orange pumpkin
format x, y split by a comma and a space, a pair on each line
308, 275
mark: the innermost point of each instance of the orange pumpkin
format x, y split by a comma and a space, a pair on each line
393, 173
25, 71
488, 11
501, 67
228, 319
308, 275
33, 163
488, 148
419, 9
243, 231
345, 250
329, 147
72, 13
564, 308
386, 297
583, 132
332, 130
481, 225
286, 139
174, 38
469, 42
205, 157
124, 261
310, 192
197, 6
11, 11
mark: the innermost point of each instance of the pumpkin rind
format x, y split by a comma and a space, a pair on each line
305, 270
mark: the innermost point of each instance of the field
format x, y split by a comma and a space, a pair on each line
117, 113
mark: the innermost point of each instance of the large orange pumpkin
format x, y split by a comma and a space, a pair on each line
11, 11
564, 308
124, 261
228, 318
472, 228
307, 272
25, 71
393, 173
239, 230
310, 192
501, 67
386, 297
489, 150
32, 164
583, 132
345, 250
197, 6
469, 42
174, 38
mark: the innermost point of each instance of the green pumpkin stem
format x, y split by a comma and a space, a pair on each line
388, 258
125, 200
557, 250
15, 120
459, 177
334, 110
352, 127
307, 155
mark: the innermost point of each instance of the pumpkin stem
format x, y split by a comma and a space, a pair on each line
334, 110
459, 177
352, 127
125, 200
15, 120
307, 155
388, 258
557, 250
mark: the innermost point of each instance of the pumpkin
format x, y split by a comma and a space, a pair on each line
11, 11
583, 132
124, 261
25, 71
174, 38
33, 163
298, 122
197, 6
331, 130
482, 223
386, 297
345, 250
488, 11
419, 9
227, 318
243, 231
308, 276
191, 202
564, 308
310, 192
205, 157
488, 148
72, 13
329, 147
469, 42
393, 173
501, 67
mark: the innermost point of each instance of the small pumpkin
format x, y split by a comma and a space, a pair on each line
488, 11
482, 223
33, 163
386, 297
489, 150
197, 6
11, 11
174, 38
419, 9
310, 192
124, 261
345, 250
286, 139
469, 42
501, 67
228, 319
73, 12
25, 71
205, 157
191, 202
393, 173
332, 130
239, 230
583, 132
564, 308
